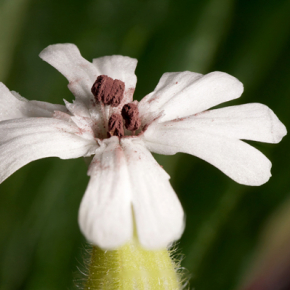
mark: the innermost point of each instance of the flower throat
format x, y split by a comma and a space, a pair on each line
110, 92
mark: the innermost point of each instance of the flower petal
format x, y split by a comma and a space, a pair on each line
168, 86
237, 159
80, 73
13, 106
184, 94
121, 68
255, 122
25, 140
105, 214
158, 213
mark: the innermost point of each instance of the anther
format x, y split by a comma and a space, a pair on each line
115, 126
117, 93
130, 114
108, 91
102, 88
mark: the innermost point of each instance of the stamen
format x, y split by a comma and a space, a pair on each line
108, 91
117, 93
104, 115
130, 114
116, 126
102, 88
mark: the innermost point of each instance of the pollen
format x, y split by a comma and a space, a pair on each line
130, 114
115, 126
108, 91
117, 93
102, 88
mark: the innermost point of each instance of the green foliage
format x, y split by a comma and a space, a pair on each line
40, 242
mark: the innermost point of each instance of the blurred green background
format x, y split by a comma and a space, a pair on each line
40, 242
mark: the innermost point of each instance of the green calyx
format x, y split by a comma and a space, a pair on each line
132, 267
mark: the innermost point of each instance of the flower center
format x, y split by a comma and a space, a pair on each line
111, 92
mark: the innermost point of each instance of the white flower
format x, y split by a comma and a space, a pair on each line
125, 180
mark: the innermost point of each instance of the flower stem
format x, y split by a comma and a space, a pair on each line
132, 267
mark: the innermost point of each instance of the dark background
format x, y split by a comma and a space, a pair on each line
40, 242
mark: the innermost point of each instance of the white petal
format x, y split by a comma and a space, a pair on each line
105, 214
121, 68
13, 106
158, 212
184, 94
240, 161
25, 140
168, 86
80, 73
254, 122
77, 108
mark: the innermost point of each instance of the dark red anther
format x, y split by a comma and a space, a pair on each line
102, 87
117, 93
115, 126
108, 91
130, 114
